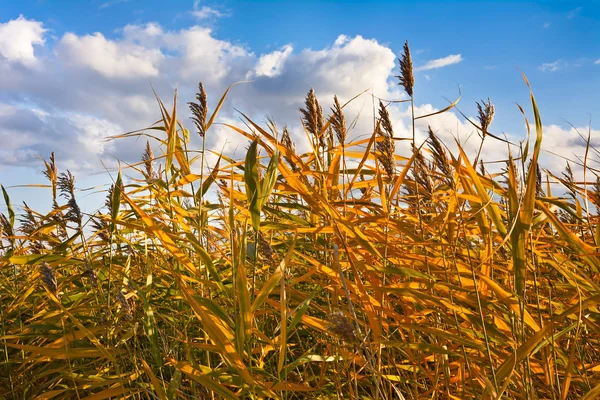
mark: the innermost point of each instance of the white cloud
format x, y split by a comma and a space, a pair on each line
597, 61
202, 56
93, 131
551, 67
111, 3
148, 35
18, 38
441, 62
205, 12
270, 64
559, 144
77, 139
109, 58
105, 97
546, 25
348, 67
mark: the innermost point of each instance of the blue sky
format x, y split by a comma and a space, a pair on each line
501, 35
86, 67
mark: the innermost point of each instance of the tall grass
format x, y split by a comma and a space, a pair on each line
346, 272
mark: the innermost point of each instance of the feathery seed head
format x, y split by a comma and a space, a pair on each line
125, 306
385, 145
340, 325
66, 184
486, 115
200, 110
338, 121
312, 116
90, 274
406, 77
440, 157
48, 278
148, 158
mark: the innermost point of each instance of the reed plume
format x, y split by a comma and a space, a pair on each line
485, 111
312, 116
148, 160
406, 77
341, 326
48, 278
440, 157
125, 306
51, 172
338, 122
385, 145
28, 221
200, 110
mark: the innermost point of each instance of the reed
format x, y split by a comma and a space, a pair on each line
351, 271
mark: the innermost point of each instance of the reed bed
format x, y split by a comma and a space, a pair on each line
346, 272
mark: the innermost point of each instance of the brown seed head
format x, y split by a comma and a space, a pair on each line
440, 157
385, 145
406, 77
125, 306
148, 158
200, 110
66, 184
51, 172
338, 121
340, 325
312, 116
486, 115
48, 278
288, 143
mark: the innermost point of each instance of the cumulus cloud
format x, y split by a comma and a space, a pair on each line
270, 64
18, 38
205, 12
347, 67
29, 133
105, 95
441, 62
109, 58
562, 142
201, 54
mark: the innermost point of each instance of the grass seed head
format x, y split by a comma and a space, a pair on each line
125, 306
200, 110
338, 122
148, 158
5, 226
341, 326
485, 113
312, 116
406, 77
91, 275
28, 221
66, 184
385, 145
48, 278
74, 212
440, 157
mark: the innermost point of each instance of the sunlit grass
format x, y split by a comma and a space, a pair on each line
346, 272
